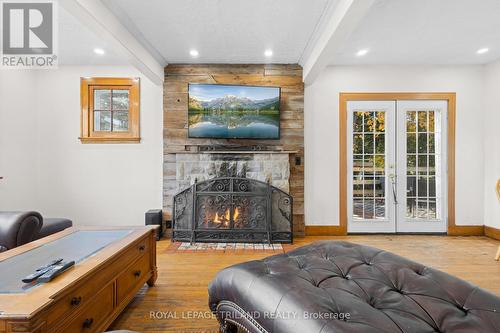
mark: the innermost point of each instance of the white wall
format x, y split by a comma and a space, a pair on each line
92, 184
322, 137
18, 164
491, 144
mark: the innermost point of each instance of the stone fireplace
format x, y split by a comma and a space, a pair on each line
276, 163
233, 209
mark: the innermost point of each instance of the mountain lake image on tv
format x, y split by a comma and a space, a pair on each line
233, 112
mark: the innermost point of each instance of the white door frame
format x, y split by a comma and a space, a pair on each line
387, 224
405, 224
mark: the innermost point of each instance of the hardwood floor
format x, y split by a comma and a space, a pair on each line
179, 299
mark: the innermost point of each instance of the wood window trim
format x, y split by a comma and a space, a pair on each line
453, 229
87, 85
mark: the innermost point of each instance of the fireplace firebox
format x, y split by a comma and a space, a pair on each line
232, 209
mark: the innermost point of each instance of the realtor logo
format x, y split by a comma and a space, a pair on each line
28, 34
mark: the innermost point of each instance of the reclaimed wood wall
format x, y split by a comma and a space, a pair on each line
175, 115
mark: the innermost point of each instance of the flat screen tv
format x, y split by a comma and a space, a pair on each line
233, 112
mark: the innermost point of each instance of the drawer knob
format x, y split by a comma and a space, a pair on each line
76, 300
88, 322
137, 274
142, 248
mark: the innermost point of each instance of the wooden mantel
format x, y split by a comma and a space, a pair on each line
240, 152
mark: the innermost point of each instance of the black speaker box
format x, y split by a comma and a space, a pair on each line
155, 217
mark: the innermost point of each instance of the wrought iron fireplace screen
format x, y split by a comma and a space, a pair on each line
233, 209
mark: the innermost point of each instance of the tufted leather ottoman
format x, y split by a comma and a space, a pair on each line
342, 287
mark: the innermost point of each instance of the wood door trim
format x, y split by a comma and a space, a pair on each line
450, 97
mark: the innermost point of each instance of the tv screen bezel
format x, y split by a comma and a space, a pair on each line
239, 137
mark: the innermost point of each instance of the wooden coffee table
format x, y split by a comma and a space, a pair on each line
111, 266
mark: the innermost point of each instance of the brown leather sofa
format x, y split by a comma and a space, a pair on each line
18, 228
340, 287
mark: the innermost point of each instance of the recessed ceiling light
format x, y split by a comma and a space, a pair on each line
268, 53
362, 52
99, 51
194, 53
483, 50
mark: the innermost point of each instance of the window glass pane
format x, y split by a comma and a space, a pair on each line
368, 143
432, 209
379, 208
379, 143
411, 144
432, 164
411, 164
431, 121
380, 164
422, 208
369, 190
411, 208
102, 99
369, 166
432, 143
369, 209
357, 165
120, 121
380, 122
357, 142
369, 121
411, 126
120, 100
422, 121
102, 121
422, 187
411, 186
357, 188
357, 122
432, 186
357, 209
422, 143
380, 187
422, 164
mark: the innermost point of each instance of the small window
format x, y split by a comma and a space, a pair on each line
110, 110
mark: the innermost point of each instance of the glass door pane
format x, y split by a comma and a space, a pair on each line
421, 166
423, 157
369, 150
370, 153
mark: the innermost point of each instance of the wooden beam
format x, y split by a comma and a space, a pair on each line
98, 18
339, 22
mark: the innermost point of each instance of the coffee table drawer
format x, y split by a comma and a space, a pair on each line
138, 248
94, 314
76, 299
133, 277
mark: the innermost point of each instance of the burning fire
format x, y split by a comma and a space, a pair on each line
226, 217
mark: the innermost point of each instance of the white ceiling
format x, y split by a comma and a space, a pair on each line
76, 44
239, 31
223, 31
425, 32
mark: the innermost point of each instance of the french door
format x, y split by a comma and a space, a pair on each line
396, 166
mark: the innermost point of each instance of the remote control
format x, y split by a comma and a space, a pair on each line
39, 272
52, 263
55, 271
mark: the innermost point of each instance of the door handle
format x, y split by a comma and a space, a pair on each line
392, 177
